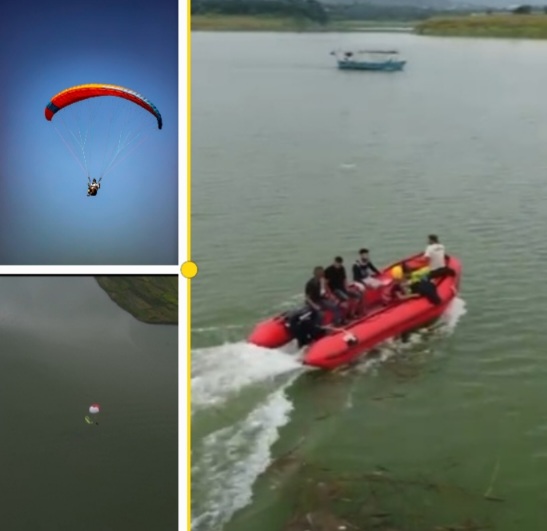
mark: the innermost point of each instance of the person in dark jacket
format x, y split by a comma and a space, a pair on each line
338, 284
364, 272
317, 299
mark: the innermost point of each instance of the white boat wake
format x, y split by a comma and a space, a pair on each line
226, 461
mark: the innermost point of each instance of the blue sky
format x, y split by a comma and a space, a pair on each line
45, 216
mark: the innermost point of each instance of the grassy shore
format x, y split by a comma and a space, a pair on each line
150, 299
508, 26
213, 22
250, 23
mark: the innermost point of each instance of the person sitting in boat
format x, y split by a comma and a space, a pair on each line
363, 271
400, 288
337, 282
420, 283
317, 298
406, 285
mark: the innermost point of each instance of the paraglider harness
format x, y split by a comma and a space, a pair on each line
93, 187
302, 326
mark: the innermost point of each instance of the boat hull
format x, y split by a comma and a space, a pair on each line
382, 322
388, 66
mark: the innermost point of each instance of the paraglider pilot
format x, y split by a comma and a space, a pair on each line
93, 187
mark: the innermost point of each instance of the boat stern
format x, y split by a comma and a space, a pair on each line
271, 333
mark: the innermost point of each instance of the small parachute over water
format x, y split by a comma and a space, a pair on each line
94, 409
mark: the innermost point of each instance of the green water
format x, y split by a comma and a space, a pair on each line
295, 162
64, 346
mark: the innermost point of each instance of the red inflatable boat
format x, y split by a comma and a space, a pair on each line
380, 321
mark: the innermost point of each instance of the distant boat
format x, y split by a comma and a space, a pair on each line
378, 60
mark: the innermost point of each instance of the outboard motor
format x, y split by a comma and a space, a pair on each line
302, 327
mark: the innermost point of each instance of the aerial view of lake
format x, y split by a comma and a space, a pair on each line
65, 345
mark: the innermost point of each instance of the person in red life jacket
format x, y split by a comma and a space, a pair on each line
317, 297
337, 282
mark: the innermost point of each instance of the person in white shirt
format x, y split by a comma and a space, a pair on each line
435, 253
436, 258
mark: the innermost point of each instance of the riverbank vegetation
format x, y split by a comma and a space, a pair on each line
150, 299
527, 26
312, 15
300, 15
219, 22
211, 22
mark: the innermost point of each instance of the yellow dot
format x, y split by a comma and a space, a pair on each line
189, 269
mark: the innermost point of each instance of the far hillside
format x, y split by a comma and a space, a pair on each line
151, 299
527, 24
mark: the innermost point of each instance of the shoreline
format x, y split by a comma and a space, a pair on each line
149, 299
248, 23
482, 25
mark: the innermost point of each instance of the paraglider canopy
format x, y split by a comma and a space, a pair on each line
93, 90
101, 124
94, 408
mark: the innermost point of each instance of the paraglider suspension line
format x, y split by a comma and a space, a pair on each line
71, 150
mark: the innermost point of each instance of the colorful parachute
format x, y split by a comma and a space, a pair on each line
93, 90
100, 132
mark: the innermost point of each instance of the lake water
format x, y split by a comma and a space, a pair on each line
295, 162
63, 346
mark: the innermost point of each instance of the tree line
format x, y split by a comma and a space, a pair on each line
315, 11
378, 12
526, 9
304, 9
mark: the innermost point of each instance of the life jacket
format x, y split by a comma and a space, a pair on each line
419, 274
